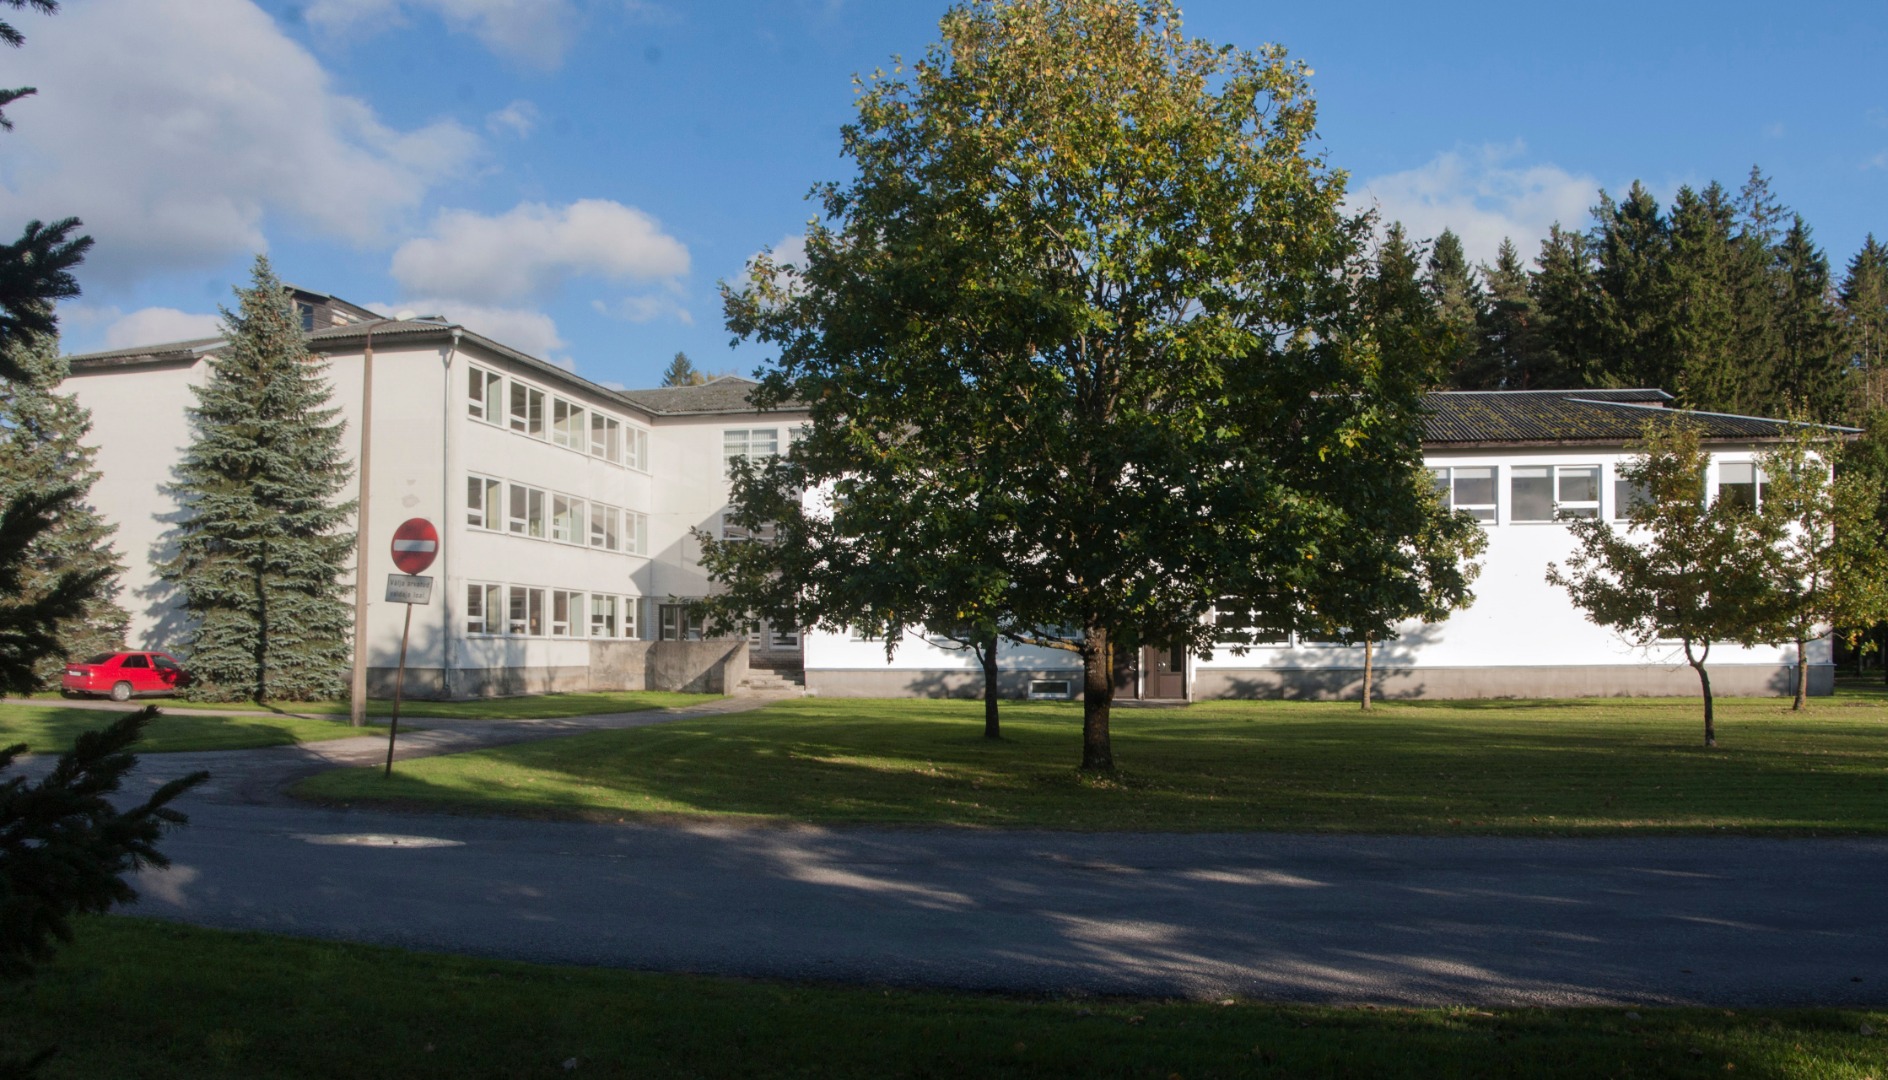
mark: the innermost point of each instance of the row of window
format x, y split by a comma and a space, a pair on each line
1554, 492
529, 611
500, 506
564, 423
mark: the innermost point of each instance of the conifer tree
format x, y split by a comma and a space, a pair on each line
1864, 300
41, 433
1567, 297
1457, 297
261, 553
1508, 336
681, 372
1631, 242
1811, 369
1701, 276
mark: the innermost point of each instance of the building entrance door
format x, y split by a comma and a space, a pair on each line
1165, 672
1127, 676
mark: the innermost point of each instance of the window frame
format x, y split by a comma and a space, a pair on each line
569, 428
528, 420
532, 524
1447, 481
635, 447
492, 385
481, 601
572, 522
489, 514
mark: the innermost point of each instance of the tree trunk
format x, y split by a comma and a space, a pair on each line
1704, 683
1367, 652
1802, 678
986, 652
1097, 696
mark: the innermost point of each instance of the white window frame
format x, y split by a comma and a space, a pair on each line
525, 409
632, 617
482, 601
569, 521
603, 621
1758, 484
606, 437
747, 443
1572, 508
485, 395
606, 527
485, 503
531, 523
636, 447
567, 613
1556, 508
524, 611
568, 426
636, 533
1446, 479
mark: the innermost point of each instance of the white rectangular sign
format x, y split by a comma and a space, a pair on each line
403, 589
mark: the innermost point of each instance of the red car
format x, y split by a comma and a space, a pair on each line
121, 675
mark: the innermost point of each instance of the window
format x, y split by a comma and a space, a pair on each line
783, 639
483, 508
1531, 492
632, 617
1468, 488
481, 608
1552, 492
731, 531
606, 437
566, 613
566, 519
1628, 495
306, 312
135, 660
566, 424
636, 448
603, 527
527, 410
635, 532
527, 511
602, 616
483, 397
1265, 623
1577, 491
679, 622
165, 663
1741, 483
525, 617
749, 443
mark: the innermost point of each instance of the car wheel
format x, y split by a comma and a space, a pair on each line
121, 691
68, 693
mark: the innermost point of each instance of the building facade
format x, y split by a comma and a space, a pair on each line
568, 514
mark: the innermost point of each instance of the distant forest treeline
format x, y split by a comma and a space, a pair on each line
1724, 300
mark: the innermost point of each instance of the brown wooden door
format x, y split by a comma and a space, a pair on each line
1127, 677
1166, 672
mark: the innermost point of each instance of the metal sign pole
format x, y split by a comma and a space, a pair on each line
399, 688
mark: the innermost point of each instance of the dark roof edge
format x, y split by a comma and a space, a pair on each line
360, 331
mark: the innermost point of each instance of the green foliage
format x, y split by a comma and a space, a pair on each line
41, 448
64, 848
264, 544
1091, 292
1684, 569
681, 372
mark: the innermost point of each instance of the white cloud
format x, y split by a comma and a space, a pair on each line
534, 32
1483, 194
178, 128
533, 249
525, 329
158, 325
518, 118
645, 308
788, 251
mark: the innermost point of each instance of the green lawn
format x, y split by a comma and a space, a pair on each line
49, 729
151, 1000
533, 707
1561, 767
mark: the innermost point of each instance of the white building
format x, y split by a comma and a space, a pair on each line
566, 513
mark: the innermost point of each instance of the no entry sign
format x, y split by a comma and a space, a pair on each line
415, 545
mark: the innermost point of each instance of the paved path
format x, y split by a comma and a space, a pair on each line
1728, 921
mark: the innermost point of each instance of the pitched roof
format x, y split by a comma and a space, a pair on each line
727, 394
1467, 418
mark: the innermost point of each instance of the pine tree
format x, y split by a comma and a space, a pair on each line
1457, 297
1811, 370
1707, 367
41, 433
1864, 299
1508, 338
1631, 242
265, 543
681, 372
1567, 296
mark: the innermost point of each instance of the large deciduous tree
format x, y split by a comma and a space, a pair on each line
1684, 569
1106, 253
265, 542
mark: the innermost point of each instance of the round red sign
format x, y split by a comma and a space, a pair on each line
415, 545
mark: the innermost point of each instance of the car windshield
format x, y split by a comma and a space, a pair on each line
101, 658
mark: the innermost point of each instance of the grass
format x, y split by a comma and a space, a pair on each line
153, 1000
49, 729
1547, 767
533, 707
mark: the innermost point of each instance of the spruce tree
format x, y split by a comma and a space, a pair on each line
1864, 299
1631, 242
1508, 338
1811, 371
265, 542
1708, 369
1457, 298
681, 372
1567, 297
41, 433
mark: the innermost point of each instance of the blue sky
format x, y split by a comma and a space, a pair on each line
574, 176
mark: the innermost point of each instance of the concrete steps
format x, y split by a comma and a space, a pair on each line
762, 680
